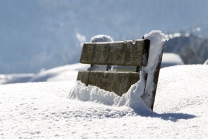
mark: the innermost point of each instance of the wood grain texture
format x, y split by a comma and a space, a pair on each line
126, 53
117, 82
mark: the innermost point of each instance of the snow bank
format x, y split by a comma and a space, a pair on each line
42, 110
93, 93
133, 97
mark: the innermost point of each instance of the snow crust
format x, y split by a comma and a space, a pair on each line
133, 97
42, 110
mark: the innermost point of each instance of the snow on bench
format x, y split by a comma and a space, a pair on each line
123, 53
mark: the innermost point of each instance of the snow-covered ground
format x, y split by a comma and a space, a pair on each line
43, 110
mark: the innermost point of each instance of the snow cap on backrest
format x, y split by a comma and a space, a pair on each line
101, 38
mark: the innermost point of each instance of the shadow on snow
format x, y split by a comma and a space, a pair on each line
174, 117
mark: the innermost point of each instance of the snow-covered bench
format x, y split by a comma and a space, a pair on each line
124, 53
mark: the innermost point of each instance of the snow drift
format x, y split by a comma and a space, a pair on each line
42, 110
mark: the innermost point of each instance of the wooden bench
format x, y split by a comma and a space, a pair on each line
123, 53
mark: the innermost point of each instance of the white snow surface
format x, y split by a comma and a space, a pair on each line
43, 110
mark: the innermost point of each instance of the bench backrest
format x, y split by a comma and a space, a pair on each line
126, 53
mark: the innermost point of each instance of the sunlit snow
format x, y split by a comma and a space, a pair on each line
42, 110
49, 110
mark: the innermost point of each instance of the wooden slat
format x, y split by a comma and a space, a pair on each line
128, 53
117, 82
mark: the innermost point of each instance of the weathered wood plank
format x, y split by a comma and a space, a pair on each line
128, 53
116, 82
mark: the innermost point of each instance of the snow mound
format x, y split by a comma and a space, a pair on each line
93, 93
133, 96
101, 38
